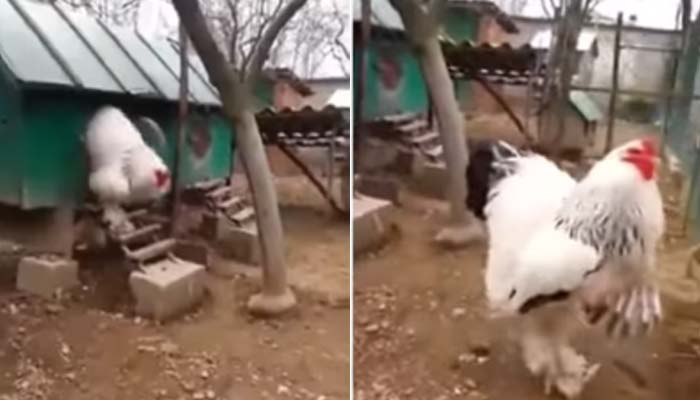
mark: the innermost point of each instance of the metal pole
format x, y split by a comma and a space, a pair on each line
615, 75
362, 78
181, 131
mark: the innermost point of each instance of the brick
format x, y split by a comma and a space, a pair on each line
45, 276
370, 223
167, 288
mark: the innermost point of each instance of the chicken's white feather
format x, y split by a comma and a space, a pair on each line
519, 204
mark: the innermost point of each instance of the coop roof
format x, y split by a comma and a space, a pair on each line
585, 106
47, 45
499, 63
305, 126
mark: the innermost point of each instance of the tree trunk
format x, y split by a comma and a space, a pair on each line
276, 296
450, 123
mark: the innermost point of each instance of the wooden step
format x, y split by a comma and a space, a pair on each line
415, 126
243, 215
434, 152
424, 138
151, 251
209, 185
219, 192
139, 234
229, 203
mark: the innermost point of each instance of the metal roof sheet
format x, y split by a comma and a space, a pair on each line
48, 44
585, 105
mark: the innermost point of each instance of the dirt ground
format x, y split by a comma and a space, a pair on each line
420, 329
90, 346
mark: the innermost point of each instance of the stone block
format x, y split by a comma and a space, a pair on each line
380, 187
167, 288
241, 244
45, 276
370, 223
432, 180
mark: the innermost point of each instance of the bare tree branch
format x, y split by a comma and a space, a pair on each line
262, 50
214, 61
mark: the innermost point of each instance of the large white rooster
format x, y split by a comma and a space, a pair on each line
562, 252
124, 170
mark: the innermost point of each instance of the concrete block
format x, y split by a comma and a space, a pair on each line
167, 288
380, 187
432, 180
241, 244
45, 276
370, 223
406, 162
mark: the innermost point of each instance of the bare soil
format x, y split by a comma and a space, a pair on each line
421, 330
89, 345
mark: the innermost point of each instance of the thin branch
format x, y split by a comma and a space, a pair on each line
214, 61
268, 38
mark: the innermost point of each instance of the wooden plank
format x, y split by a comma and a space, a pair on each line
434, 152
151, 251
243, 215
219, 192
139, 234
424, 138
227, 204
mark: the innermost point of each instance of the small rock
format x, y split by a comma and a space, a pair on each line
65, 349
371, 328
198, 396
210, 394
470, 384
169, 348
385, 324
70, 376
53, 309
459, 312
204, 375
146, 349
281, 389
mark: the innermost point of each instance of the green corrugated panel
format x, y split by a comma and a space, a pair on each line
44, 44
24, 54
585, 105
201, 91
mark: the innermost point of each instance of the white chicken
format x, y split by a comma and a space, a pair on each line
560, 249
124, 170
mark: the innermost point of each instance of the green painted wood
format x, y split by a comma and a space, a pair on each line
49, 165
10, 155
407, 95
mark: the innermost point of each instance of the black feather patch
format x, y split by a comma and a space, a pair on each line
488, 163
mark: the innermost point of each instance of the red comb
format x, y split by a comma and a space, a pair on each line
161, 177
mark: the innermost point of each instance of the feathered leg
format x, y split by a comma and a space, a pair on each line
116, 219
548, 354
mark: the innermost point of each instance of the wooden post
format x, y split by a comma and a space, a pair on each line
615, 75
181, 131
